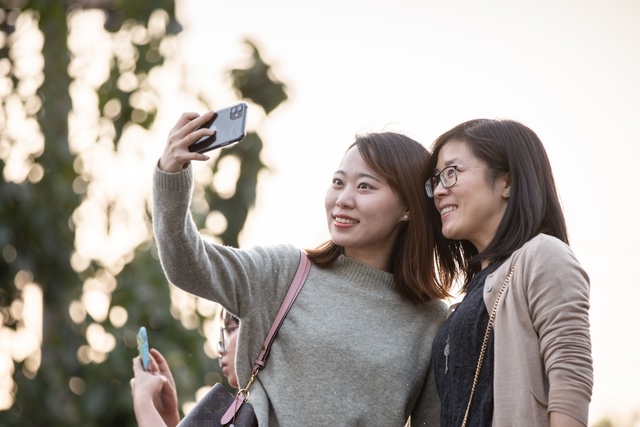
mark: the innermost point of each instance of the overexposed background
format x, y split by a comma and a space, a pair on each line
568, 69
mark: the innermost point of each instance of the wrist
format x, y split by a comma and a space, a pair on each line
146, 413
171, 420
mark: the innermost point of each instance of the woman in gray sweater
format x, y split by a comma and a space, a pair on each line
355, 348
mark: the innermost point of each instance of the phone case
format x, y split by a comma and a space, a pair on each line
143, 348
230, 126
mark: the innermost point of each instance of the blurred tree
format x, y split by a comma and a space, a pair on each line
625, 419
69, 358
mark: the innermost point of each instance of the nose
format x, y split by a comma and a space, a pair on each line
439, 189
344, 199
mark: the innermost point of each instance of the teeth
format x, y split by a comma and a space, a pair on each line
447, 210
345, 220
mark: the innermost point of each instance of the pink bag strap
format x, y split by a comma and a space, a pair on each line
298, 280
289, 298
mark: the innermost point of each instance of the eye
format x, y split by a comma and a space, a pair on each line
449, 172
336, 181
364, 186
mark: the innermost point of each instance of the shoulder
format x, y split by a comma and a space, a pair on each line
439, 308
438, 311
276, 251
433, 311
274, 256
548, 263
546, 249
545, 241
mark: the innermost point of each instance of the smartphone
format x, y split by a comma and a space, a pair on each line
229, 125
143, 348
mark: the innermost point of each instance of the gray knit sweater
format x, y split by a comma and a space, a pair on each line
351, 352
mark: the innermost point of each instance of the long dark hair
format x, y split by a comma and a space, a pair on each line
402, 161
534, 207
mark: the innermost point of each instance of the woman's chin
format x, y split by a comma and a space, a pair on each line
449, 234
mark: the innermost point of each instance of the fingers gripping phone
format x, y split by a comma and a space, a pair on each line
229, 125
143, 348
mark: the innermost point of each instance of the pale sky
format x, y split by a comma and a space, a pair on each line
570, 70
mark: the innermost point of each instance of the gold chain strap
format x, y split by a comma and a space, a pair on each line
485, 342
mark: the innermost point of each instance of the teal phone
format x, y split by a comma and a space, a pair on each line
143, 348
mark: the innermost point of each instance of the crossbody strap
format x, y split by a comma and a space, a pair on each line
485, 342
289, 298
298, 280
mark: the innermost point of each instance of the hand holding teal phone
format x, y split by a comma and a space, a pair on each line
143, 348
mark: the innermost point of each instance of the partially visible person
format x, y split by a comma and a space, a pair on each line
496, 210
227, 347
155, 401
355, 347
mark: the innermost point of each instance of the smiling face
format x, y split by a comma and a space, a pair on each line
472, 208
364, 214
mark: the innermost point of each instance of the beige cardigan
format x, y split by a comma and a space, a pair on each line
542, 342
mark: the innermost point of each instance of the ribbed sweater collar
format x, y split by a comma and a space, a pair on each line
363, 275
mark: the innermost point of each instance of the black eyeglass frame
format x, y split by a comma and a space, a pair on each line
222, 342
431, 183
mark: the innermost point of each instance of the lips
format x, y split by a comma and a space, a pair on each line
447, 209
343, 220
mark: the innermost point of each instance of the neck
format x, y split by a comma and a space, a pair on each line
373, 259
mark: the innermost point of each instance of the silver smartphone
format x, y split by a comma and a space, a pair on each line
229, 125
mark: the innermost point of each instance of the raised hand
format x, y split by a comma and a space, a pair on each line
176, 155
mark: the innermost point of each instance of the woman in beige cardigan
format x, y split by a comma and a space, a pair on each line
498, 212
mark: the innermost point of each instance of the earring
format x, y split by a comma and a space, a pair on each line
405, 217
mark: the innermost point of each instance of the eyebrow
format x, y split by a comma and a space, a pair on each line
360, 175
450, 162
453, 161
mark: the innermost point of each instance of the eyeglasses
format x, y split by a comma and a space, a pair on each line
224, 336
448, 177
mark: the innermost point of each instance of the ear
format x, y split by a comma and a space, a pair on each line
505, 185
405, 215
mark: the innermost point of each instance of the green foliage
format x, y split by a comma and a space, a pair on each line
236, 208
38, 229
144, 55
121, 11
257, 84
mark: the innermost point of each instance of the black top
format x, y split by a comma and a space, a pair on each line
456, 349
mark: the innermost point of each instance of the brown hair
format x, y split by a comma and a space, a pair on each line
229, 319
